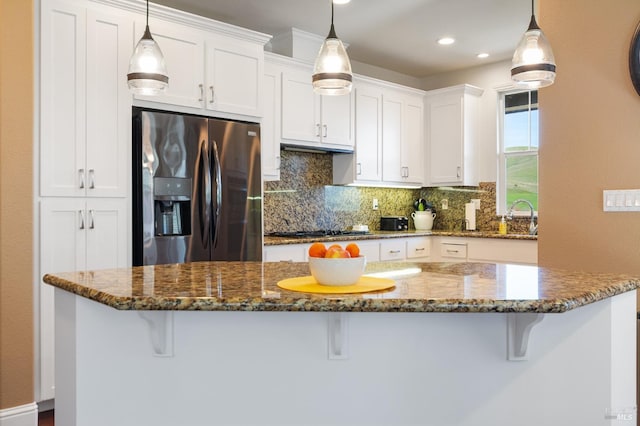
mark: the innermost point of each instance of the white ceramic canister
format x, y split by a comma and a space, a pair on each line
423, 220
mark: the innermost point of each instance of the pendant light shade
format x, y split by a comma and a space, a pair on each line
533, 64
332, 70
147, 71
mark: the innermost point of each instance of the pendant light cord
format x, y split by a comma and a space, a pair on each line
332, 31
148, 11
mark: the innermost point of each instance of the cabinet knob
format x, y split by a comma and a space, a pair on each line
201, 93
318, 130
81, 178
212, 92
81, 216
358, 169
92, 184
458, 171
91, 223
324, 127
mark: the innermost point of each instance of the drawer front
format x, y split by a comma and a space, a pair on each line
285, 253
393, 250
418, 248
454, 251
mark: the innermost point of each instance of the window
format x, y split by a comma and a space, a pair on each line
518, 150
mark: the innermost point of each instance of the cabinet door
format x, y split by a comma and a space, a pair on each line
183, 50
445, 139
391, 138
300, 108
108, 117
62, 247
63, 94
413, 141
234, 76
337, 120
106, 234
270, 124
368, 149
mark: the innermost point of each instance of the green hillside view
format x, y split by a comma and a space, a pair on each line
522, 178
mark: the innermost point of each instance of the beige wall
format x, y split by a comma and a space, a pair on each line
590, 137
16, 203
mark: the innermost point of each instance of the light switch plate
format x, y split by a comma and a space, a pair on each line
621, 200
476, 201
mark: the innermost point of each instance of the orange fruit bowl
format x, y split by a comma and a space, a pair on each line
337, 271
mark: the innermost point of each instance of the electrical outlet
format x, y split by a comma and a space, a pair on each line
476, 201
375, 204
445, 204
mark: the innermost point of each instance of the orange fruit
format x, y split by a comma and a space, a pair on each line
353, 249
317, 250
335, 246
336, 252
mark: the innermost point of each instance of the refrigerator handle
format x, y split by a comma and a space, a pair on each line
218, 189
205, 195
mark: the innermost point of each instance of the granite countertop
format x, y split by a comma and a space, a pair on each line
376, 235
420, 287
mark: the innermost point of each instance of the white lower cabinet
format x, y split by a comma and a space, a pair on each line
418, 248
285, 253
384, 249
506, 251
393, 249
453, 251
492, 250
76, 234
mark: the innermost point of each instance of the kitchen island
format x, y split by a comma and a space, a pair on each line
213, 343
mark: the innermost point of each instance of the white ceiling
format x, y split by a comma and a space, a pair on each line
399, 35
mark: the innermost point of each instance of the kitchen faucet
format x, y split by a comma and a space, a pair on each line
533, 228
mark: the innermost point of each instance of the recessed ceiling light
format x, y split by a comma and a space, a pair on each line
341, 1
446, 41
482, 55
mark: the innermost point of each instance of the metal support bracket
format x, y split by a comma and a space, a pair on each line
519, 327
338, 336
160, 331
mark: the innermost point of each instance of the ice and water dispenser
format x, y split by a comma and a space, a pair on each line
172, 206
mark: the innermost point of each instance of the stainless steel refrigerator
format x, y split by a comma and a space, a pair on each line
197, 189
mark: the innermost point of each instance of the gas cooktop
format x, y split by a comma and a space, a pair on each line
317, 233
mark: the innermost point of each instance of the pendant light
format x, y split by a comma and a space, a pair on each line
147, 71
533, 64
332, 70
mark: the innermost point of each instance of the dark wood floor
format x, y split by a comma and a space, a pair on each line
45, 418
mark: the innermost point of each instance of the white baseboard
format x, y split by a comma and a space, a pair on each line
23, 415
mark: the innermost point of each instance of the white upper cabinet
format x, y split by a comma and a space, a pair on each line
234, 76
368, 151
413, 141
452, 123
85, 103
209, 71
389, 148
308, 119
364, 166
402, 138
270, 124
183, 51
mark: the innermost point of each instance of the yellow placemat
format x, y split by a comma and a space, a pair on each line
308, 284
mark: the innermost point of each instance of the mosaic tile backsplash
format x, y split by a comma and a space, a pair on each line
304, 199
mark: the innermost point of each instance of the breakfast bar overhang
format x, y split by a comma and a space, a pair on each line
219, 343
